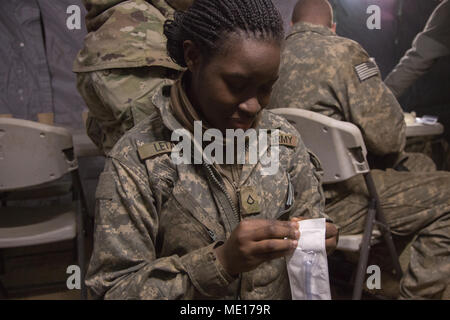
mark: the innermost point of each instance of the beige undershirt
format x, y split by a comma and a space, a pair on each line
186, 114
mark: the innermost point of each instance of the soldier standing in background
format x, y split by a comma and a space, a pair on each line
334, 76
123, 62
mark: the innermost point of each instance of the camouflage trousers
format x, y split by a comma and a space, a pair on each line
416, 205
118, 99
419, 162
435, 148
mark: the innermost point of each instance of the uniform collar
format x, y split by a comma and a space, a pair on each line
162, 103
310, 27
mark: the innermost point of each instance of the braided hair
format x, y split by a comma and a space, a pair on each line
207, 22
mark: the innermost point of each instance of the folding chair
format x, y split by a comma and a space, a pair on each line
340, 147
33, 156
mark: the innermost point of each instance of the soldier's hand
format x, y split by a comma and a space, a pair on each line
256, 241
331, 235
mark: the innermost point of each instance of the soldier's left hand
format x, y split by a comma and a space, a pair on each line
331, 235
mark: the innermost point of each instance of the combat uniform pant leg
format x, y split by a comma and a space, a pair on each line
419, 162
415, 204
436, 148
118, 99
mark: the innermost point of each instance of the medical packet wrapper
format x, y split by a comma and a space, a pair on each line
308, 265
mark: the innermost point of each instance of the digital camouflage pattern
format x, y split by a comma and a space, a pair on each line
123, 60
318, 73
157, 223
414, 203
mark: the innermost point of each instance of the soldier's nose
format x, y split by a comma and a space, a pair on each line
250, 107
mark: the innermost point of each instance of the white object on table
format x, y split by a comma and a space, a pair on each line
425, 126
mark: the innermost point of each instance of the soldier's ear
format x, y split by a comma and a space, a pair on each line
192, 55
333, 27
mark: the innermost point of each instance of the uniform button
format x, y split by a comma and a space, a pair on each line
22, 44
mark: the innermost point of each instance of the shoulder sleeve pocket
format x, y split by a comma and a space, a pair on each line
105, 187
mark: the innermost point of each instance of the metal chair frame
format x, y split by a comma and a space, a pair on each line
340, 148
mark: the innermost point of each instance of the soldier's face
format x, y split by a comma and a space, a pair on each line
230, 88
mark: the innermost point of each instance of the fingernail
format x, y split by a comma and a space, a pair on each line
294, 244
294, 225
297, 234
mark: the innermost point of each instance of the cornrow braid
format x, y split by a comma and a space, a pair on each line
207, 21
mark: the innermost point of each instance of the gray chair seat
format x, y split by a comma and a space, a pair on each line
33, 226
36, 162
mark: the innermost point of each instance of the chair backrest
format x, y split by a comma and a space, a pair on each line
339, 145
33, 153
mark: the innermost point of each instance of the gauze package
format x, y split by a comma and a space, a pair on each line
308, 265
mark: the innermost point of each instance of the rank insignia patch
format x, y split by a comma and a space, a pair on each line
250, 200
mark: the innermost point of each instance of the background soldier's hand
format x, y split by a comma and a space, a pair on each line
331, 235
256, 241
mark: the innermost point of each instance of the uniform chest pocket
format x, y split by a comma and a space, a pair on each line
289, 204
180, 231
278, 195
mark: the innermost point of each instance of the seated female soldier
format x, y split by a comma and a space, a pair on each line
200, 231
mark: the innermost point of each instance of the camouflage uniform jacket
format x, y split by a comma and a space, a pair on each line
332, 75
157, 223
124, 34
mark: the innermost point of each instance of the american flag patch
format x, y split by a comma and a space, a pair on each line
366, 70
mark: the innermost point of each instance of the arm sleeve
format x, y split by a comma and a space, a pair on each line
432, 43
306, 177
124, 262
371, 106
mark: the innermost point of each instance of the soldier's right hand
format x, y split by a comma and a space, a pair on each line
256, 241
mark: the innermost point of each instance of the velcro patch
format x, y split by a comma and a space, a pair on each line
287, 140
155, 148
366, 70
